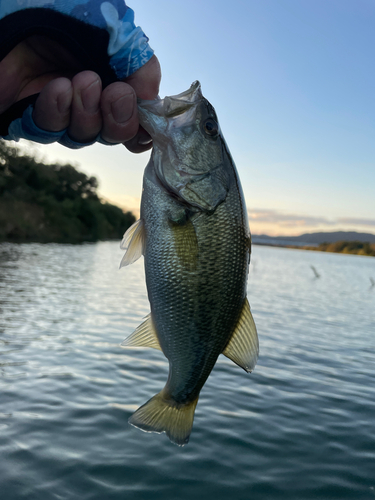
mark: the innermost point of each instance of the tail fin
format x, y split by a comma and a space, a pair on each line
160, 415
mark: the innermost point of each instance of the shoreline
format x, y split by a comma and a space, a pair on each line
363, 249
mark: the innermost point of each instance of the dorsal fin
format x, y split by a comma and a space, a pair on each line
143, 336
243, 347
133, 242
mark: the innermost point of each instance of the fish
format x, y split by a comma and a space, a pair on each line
194, 235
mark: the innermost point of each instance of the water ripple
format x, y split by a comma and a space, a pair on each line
300, 427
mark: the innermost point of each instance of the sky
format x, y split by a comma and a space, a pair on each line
293, 85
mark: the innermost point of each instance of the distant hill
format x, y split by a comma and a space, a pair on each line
313, 238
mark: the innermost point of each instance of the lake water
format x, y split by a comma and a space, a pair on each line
301, 426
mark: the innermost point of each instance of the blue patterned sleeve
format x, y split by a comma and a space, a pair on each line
128, 47
111, 23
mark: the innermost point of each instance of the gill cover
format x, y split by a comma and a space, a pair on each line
189, 154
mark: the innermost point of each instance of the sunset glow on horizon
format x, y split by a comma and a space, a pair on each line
292, 83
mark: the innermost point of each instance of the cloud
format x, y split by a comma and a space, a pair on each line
356, 222
275, 221
287, 219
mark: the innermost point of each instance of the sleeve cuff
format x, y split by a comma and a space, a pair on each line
25, 128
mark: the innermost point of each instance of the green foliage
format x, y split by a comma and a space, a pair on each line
40, 202
350, 247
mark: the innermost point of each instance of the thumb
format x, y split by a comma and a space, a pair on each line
146, 80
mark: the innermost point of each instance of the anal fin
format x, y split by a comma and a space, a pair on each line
243, 347
143, 336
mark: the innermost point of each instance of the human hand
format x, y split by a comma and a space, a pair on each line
74, 99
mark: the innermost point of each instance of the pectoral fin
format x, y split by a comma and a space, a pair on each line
243, 347
133, 242
186, 243
143, 336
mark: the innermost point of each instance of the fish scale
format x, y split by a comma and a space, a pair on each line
195, 240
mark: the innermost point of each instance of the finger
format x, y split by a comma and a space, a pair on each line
52, 108
140, 143
146, 80
119, 112
86, 119
146, 83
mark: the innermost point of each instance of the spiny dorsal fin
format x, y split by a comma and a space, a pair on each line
133, 242
143, 336
243, 347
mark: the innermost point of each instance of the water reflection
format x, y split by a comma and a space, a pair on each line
289, 430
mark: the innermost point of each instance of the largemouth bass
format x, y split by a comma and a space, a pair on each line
194, 234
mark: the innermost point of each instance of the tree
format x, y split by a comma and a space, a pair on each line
40, 202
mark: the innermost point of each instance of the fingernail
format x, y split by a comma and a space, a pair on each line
90, 97
143, 138
122, 109
144, 141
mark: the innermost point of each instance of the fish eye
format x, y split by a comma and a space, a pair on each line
211, 127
